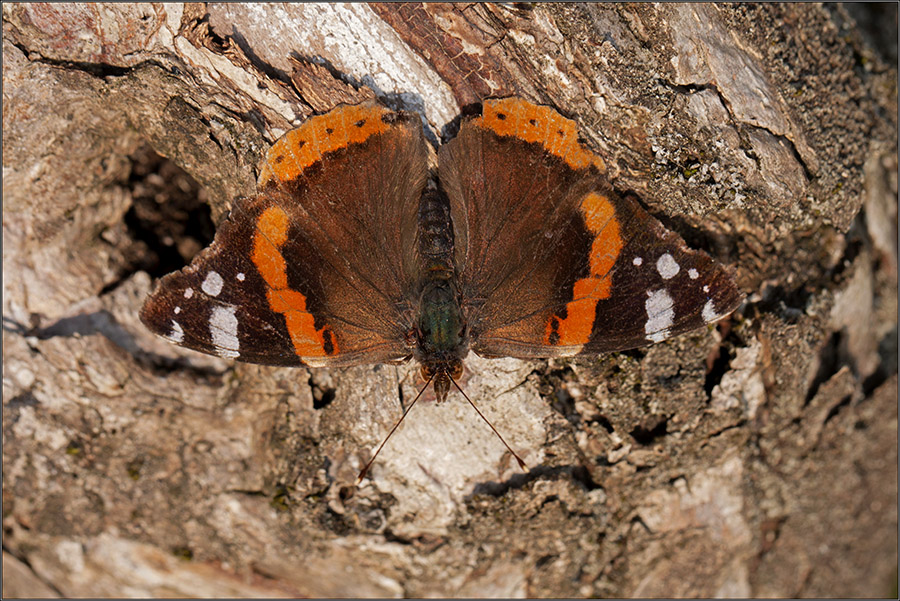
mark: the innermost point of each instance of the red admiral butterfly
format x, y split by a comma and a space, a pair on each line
353, 252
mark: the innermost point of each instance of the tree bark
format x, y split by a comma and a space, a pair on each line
758, 458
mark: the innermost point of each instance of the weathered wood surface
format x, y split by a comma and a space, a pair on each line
759, 458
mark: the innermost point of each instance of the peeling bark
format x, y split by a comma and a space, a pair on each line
755, 459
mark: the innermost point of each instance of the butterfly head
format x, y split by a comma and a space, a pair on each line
443, 374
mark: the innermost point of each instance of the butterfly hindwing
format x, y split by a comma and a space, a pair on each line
317, 269
552, 262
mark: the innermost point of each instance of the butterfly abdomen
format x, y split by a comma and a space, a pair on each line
434, 238
441, 331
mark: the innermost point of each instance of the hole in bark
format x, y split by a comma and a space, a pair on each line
837, 408
169, 219
25, 399
651, 428
604, 423
333, 522
716, 244
322, 397
831, 359
281, 498
602, 461
554, 385
544, 560
636, 353
717, 367
887, 367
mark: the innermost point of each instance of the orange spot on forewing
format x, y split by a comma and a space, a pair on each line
301, 147
287, 301
600, 220
605, 250
273, 224
560, 134
330, 132
288, 157
579, 320
597, 212
533, 124
308, 342
271, 234
556, 134
364, 121
500, 117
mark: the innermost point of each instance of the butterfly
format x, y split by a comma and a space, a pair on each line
355, 251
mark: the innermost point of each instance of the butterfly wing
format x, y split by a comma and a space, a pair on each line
317, 269
551, 261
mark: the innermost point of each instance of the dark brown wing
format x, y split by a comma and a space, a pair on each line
551, 261
318, 268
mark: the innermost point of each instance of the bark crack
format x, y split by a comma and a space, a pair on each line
693, 88
577, 473
98, 70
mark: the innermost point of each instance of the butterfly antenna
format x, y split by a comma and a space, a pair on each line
364, 471
514, 454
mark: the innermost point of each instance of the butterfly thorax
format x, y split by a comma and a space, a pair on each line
441, 340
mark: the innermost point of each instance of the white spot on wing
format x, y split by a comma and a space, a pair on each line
240, 277
223, 326
188, 293
706, 289
177, 334
660, 315
693, 274
667, 267
709, 312
177, 310
638, 261
213, 283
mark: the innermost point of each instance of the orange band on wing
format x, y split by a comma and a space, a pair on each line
600, 219
299, 148
271, 234
541, 125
